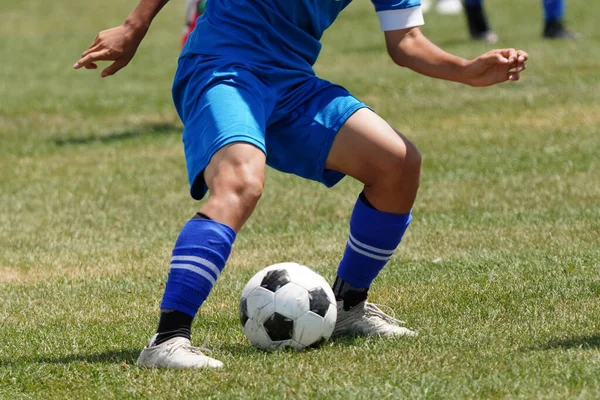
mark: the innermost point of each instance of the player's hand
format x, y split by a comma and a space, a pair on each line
496, 66
118, 44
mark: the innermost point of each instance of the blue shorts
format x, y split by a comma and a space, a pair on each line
292, 116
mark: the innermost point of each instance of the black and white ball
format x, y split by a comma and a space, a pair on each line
287, 305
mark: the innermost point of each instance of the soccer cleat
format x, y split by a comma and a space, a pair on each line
425, 6
555, 29
478, 25
449, 7
176, 353
366, 319
489, 37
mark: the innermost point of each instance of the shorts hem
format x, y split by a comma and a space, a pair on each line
198, 188
331, 177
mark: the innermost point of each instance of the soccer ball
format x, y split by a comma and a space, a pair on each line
287, 305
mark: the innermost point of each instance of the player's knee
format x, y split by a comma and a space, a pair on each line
413, 162
246, 187
250, 191
405, 170
237, 185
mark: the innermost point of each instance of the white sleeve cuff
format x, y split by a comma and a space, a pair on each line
392, 20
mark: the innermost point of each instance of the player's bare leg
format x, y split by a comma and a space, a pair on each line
370, 150
235, 178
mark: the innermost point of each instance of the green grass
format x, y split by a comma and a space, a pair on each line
499, 272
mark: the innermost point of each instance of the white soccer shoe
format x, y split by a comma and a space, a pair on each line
176, 353
367, 319
449, 7
425, 6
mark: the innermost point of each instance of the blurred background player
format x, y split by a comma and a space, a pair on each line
193, 10
554, 28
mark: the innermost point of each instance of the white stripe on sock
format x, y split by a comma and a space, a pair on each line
367, 254
200, 261
195, 269
371, 248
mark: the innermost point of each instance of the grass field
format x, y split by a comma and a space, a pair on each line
499, 272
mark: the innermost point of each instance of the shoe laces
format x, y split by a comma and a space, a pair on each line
372, 310
203, 349
185, 344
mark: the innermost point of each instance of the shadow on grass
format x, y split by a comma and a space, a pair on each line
236, 349
107, 357
346, 340
143, 130
130, 356
582, 342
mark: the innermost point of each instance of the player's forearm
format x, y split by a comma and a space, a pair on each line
416, 52
143, 14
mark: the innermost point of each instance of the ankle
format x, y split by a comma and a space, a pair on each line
349, 295
173, 324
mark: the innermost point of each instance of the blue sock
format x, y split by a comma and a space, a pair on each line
554, 9
198, 258
374, 235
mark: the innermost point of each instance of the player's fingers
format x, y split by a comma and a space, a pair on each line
113, 68
496, 58
91, 49
91, 66
513, 76
520, 67
512, 56
92, 57
522, 56
506, 52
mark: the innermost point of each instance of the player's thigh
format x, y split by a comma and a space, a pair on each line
367, 148
221, 106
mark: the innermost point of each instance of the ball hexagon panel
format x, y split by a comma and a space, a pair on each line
253, 283
308, 329
279, 327
329, 321
258, 277
260, 304
319, 301
291, 301
275, 279
256, 334
304, 276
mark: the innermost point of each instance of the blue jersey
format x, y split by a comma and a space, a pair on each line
282, 33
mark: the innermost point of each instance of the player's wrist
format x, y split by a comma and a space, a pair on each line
141, 17
136, 25
467, 72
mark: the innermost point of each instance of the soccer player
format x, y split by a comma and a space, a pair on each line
554, 28
193, 10
248, 97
